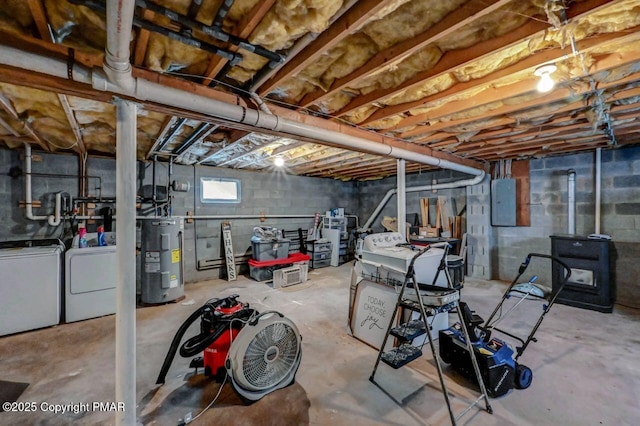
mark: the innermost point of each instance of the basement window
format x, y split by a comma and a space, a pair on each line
219, 190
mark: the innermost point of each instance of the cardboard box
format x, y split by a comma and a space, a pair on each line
428, 231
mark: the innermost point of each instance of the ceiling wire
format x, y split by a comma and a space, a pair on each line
59, 147
602, 112
28, 123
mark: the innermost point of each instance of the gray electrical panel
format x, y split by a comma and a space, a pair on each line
161, 257
503, 202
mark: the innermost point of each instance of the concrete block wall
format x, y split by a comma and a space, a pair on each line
370, 193
14, 225
620, 214
479, 232
272, 193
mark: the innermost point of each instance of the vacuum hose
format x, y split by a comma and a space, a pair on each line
176, 341
199, 343
213, 325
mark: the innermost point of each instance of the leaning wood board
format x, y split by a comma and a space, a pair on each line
228, 251
424, 211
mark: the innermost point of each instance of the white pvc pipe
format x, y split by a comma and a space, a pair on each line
300, 44
119, 25
125, 255
118, 69
27, 184
149, 91
54, 219
598, 188
401, 218
258, 100
235, 216
447, 185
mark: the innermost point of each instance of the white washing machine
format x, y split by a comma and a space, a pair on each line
90, 279
387, 256
30, 287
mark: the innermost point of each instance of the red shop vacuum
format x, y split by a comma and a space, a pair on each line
258, 352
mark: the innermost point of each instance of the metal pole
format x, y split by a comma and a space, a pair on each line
598, 188
571, 201
402, 199
125, 252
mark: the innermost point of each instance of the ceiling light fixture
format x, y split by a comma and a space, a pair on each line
278, 161
546, 83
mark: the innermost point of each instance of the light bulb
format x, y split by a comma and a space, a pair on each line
278, 161
546, 83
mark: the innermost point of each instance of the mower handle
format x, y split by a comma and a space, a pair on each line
525, 264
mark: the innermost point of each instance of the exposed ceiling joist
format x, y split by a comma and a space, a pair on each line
527, 84
40, 18
142, 41
469, 12
9, 128
248, 24
452, 80
42, 23
73, 123
340, 158
6, 105
574, 95
453, 60
234, 138
352, 19
201, 132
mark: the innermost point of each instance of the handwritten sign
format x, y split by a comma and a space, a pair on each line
374, 305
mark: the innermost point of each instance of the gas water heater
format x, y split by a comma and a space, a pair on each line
162, 267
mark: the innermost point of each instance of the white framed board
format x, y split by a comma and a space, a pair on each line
228, 251
373, 307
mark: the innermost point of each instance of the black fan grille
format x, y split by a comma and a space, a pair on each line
263, 373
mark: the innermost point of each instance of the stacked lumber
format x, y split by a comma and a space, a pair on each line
447, 222
424, 211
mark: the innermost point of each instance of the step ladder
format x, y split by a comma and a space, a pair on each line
426, 301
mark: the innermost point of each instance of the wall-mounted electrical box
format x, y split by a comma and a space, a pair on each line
503, 202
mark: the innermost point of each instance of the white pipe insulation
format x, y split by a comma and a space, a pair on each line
52, 220
148, 91
447, 185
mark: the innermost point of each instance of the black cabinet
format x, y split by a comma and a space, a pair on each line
591, 285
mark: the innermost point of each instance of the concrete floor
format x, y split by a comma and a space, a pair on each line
586, 369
